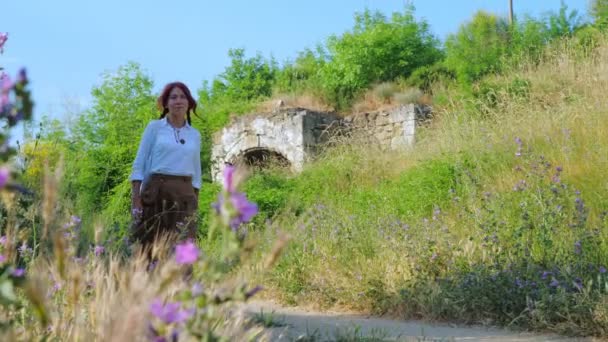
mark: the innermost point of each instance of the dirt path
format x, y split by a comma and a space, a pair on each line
297, 324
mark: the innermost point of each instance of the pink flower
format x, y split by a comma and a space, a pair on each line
170, 312
229, 178
4, 175
186, 253
3, 39
99, 250
245, 210
18, 272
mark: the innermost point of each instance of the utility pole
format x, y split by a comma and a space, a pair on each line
511, 12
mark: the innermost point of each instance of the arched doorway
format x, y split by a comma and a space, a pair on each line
262, 158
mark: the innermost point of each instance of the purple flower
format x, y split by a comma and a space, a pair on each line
578, 283
22, 76
99, 250
3, 240
18, 272
4, 175
554, 283
75, 220
186, 253
229, 178
545, 275
602, 269
245, 210
170, 312
577, 247
24, 250
3, 39
233, 206
2, 258
197, 289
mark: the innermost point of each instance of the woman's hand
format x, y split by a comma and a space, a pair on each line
137, 206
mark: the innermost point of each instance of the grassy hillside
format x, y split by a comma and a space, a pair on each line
498, 215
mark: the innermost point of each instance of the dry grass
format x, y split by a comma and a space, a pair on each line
293, 101
388, 95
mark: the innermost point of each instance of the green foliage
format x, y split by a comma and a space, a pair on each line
302, 75
104, 141
487, 43
245, 79
418, 190
426, 76
270, 190
376, 50
491, 94
478, 46
563, 23
599, 12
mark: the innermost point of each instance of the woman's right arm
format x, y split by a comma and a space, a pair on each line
138, 173
136, 203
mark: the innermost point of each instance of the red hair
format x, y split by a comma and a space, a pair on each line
163, 99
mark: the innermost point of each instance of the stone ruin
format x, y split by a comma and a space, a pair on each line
294, 136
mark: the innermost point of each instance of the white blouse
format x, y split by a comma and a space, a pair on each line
170, 151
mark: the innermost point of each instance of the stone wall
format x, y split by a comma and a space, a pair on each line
298, 134
390, 129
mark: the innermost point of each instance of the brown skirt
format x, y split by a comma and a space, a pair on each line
169, 210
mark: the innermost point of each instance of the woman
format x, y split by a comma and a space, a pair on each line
166, 173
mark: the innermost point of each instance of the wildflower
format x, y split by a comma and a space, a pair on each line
2, 259
22, 76
545, 275
197, 289
186, 253
170, 312
4, 175
229, 185
75, 220
3, 39
602, 269
580, 205
3, 240
56, 287
152, 265
578, 284
99, 250
554, 283
233, 206
24, 250
577, 247
18, 272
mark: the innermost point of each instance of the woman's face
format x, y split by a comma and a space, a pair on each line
177, 102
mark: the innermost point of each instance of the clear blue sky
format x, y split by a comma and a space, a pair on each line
67, 44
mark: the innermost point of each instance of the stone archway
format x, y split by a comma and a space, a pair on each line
293, 135
260, 158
